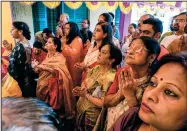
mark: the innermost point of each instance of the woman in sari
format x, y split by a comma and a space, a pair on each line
163, 106
93, 88
55, 84
19, 69
5, 58
72, 49
101, 35
128, 86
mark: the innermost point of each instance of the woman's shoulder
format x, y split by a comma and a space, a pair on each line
77, 39
111, 75
59, 55
18, 47
123, 68
129, 120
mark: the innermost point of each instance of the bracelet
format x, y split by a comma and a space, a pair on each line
129, 101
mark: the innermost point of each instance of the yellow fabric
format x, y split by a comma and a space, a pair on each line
95, 80
73, 5
124, 9
112, 7
10, 87
91, 6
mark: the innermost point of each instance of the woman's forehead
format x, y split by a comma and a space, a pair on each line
136, 42
98, 26
174, 70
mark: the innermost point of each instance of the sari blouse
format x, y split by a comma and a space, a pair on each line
97, 85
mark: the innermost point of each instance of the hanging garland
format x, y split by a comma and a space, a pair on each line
111, 5
51, 5
73, 5
183, 5
27, 3
94, 5
125, 7
169, 3
151, 9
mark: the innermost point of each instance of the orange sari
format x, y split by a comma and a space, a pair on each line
56, 90
74, 54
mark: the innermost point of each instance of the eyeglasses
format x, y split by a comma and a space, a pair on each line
137, 51
179, 20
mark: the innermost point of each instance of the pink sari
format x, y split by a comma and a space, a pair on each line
5, 62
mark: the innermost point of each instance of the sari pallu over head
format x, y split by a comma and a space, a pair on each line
56, 90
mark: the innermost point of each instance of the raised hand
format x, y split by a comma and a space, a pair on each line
127, 84
78, 91
81, 66
128, 87
34, 63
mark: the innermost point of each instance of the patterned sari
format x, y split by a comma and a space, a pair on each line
56, 90
19, 72
109, 115
97, 85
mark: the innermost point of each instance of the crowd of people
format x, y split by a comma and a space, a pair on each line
77, 80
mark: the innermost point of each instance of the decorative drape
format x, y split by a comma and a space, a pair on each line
111, 5
125, 20
94, 5
27, 3
73, 5
125, 6
52, 5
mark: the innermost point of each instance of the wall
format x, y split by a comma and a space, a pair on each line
22, 12
6, 22
94, 15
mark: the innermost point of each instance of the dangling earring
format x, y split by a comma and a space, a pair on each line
149, 64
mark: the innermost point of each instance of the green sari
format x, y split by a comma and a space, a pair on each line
97, 84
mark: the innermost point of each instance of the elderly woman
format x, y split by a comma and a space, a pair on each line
127, 88
163, 105
95, 85
55, 84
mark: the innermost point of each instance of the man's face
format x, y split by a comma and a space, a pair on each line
37, 51
84, 24
46, 36
180, 22
101, 18
147, 30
